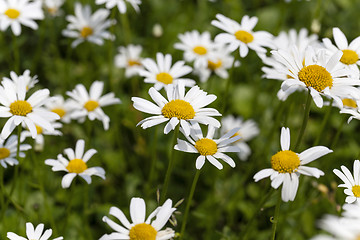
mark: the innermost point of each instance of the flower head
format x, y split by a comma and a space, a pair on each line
121, 4
53, 7
351, 182
33, 233
26, 78
8, 151
129, 58
61, 107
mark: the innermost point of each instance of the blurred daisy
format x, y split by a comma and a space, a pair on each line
33, 233
18, 110
248, 130
85, 26
13, 13
179, 108
89, 104
161, 73
63, 108
351, 183
53, 7
208, 147
121, 4
286, 166
26, 78
242, 35
76, 164
8, 151
129, 58
140, 228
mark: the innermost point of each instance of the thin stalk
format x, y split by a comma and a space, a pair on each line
16, 54
227, 88
338, 133
111, 49
305, 120
276, 216
153, 160
324, 123
126, 27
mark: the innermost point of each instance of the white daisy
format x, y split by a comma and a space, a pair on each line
13, 13
129, 58
179, 108
8, 150
121, 4
76, 164
286, 166
140, 228
33, 233
85, 26
18, 110
89, 104
248, 130
63, 108
53, 7
161, 73
242, 35
27, 79
351, 183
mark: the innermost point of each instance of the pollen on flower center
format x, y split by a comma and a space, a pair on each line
59, 111
164, 78
214, 65
20, 108
178, 108
244, 36
91, 105
12, 13
200, 50
4, 153
356, 190
134, 63
206, 146
86, 31
142, 231
285, 161
76, 165
316, 76
347, 102
349, 57
39, 129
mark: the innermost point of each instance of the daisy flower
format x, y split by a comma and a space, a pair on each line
27, 79
8, 150
13, 13
286, 166
20, 110
248, 130
129, 58
76, 164
161, 73
33, 233
242, 35
179, 108
53, 7
89, 104
85, 26
63, 108
140, 228
121, 4
208, 147
351, 182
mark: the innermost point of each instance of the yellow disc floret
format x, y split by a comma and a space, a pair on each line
76, 165
4, 153
206, 146
347, 102
316, 76
142, 231
349, 57
164, 78
39, 129
178, 108
59, 111
244, 36
214, 65
12, 13
285, 161
134, 63
86, 31
356, 190
20, 108
200, 50
91, 105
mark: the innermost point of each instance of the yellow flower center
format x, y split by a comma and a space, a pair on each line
133, 63
20, 108
39, 129
356, 190
164, 78
206, 146
12, 13
178, 108
285, 161
316, 76
200, 50
142, 231
91, 105
244, 36
349, 103
4, 153
59, 111
214, 65
86, 31
349, 57
76, 166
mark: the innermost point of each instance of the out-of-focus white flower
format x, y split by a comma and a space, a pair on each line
130, 59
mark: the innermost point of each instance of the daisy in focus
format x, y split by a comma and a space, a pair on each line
8, 151
242, 35
85, 26
248, 130
209, 148
179, 108
33, 233
89, 104
139, 228
351, 182
61, 107
26, 78
129, 58
121, 4
75, 164
286, 166
162, 72
15, 13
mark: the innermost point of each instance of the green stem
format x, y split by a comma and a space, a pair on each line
111, 50
227, 88
324, 124
305, 120
16, 54
276, 216
126, 27
338, 133
187, 208
153, 160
